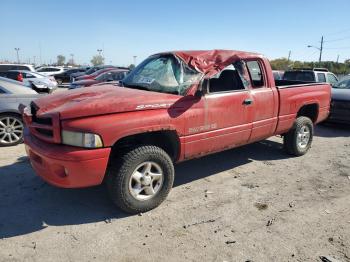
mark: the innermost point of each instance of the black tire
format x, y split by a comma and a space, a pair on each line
121, 169
290, 139
4, 141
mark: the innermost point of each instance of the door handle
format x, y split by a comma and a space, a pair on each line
248, 101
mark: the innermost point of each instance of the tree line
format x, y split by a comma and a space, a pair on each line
336, 68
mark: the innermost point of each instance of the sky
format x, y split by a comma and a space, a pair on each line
124, 29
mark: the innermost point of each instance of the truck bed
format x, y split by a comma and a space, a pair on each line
293, 95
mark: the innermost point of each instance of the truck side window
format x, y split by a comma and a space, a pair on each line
321, 78
332, 79
226, 80
255, 73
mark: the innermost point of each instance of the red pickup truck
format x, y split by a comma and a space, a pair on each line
174, 106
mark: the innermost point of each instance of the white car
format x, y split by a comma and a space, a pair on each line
8, 67
40, 83
50, 70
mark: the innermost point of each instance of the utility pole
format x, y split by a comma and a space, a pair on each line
321, 49
41, 61
290, 52
17, 49
72, 59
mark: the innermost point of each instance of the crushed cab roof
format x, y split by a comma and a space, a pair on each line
210, 62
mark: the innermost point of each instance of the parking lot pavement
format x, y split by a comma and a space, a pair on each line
251, 203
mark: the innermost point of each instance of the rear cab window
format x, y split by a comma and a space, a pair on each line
229, 79
305, 76
256, 73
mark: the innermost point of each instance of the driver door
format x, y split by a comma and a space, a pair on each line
228, 115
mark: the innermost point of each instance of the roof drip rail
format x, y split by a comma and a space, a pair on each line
321, 69
311, 69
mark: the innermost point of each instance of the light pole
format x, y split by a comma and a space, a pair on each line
318, 48
17, 50
99, 51
72, 59
134, 59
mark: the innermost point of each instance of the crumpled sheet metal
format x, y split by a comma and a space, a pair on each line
210, 62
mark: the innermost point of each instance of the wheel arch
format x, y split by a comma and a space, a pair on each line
310, 110
168, 140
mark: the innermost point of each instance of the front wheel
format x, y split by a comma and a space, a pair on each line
140, 179
11, 130
299, 138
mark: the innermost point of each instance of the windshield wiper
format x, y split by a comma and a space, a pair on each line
136, 87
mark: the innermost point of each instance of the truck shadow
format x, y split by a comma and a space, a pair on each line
327, 129
27, 204
189, 171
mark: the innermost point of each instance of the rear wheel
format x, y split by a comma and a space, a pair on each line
11, 130
140, 179
299, 138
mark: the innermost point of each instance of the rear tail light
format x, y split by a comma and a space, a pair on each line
20, 77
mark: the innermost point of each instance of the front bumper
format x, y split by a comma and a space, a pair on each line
66, 166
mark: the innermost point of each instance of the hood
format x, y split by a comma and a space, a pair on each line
83, 77
85, 82
106, 99
341, 94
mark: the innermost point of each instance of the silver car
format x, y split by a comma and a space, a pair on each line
39, 82
13, 93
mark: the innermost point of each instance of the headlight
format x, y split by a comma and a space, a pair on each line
81, 139
39, 85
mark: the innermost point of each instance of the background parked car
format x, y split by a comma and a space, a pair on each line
50, 70
8, 67
13, 93
65, 76
320, 75
340, 105
37, 81
277, 74
95, 74
92, 70
109, 76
